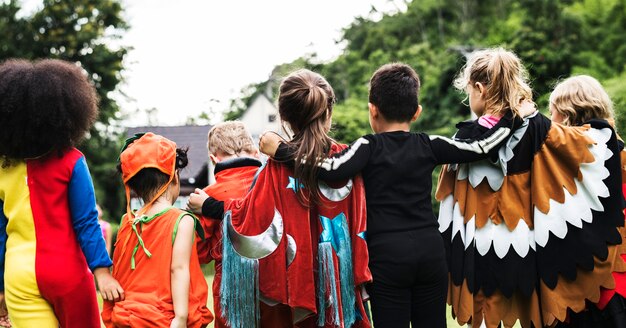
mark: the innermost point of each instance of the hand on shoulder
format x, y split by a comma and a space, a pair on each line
196, 199
268, 143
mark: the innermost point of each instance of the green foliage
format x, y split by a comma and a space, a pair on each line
80, 31
554, 39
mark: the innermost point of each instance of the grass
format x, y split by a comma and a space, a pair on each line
209, 271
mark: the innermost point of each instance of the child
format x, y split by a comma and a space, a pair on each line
155, 257
235, 157
532, 234
302, 240
574, 102
49, 233
407, 256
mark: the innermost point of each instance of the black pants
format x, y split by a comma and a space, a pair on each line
410, 279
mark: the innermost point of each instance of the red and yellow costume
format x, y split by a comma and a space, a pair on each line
49, 232
311, 259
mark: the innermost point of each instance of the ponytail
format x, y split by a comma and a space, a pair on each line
503, 75
305, 103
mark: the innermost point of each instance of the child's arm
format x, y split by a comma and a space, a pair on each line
447, 150
202, 204
340, 166
181, 256
82, 201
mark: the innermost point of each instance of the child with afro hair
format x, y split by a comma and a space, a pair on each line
50, 238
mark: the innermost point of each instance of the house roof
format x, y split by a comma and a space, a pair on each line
192, 136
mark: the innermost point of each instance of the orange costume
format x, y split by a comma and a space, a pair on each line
148, 301
143, 256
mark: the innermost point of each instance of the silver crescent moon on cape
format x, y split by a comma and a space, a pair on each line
336, 195
258, 246
292, 248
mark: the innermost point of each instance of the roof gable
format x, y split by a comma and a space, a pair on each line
192, 136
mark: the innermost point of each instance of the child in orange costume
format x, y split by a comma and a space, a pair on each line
156, 259
576, 101
232, 151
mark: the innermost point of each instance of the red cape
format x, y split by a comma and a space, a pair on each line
287, 269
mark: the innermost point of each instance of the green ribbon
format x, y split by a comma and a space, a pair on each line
140, 220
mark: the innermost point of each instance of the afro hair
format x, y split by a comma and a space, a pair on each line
46, 106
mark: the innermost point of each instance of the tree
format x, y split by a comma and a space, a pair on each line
80, 31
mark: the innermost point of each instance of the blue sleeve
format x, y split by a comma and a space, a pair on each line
85, 217
3, 243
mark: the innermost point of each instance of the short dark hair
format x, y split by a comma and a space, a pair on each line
46, 106
394, 89
147, 182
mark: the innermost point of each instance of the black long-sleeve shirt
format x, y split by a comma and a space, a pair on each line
397, 171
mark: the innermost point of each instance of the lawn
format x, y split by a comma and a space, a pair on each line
208, 270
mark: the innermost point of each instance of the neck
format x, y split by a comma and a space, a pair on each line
393, 126
159, 205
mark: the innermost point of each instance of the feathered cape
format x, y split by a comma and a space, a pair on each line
535, 232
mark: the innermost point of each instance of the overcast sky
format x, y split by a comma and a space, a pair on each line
193, 55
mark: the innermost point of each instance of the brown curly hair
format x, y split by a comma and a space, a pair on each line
46, 106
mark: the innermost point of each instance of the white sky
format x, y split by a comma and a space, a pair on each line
193, 55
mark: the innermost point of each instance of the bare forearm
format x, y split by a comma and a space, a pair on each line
180, 291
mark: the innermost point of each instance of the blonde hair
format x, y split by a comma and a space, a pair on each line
230, 138
503, 75
581, 98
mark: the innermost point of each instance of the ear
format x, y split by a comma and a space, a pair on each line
481, 89
214, 159
417, 114
374, 113
176, 179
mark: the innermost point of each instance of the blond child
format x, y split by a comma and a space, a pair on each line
155, 258
576, 101
236, 161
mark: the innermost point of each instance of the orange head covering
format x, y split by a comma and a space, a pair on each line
147, 150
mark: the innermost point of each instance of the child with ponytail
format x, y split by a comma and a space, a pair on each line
531, 235
293, 240
407, 256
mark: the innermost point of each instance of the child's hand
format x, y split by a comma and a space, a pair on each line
179, 322
109, 288
527, 108
196, 199
4, 313
268, 143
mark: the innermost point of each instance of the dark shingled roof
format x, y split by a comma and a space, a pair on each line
192, 136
